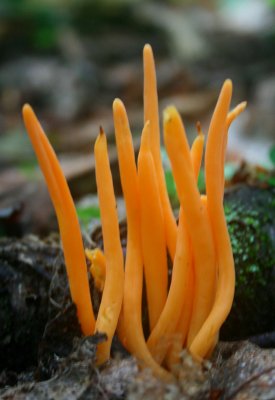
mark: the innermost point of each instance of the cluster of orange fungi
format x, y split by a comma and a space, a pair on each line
188, 313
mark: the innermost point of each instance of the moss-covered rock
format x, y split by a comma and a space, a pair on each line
250, 214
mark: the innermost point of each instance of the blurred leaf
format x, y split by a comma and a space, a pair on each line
272, 150
15, 146
230, 170
45, 38
29, 168
171, 187
201, 182
266, 178
87, 213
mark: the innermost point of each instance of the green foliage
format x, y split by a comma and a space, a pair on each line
30, 26
29, 168
37, 26
266, 178
201, 181
87, 213
272, 152
171, 188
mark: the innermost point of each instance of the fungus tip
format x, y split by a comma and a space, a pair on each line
243, 105
27, 111
117, 103
147, 49
118, 107
101, 138
26, 108
228, 81
228, 85
145, 139
198, 126
169, 113
101, 131
166, 116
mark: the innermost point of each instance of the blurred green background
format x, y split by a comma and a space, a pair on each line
70, 59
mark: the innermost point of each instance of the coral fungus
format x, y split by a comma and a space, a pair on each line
190, 311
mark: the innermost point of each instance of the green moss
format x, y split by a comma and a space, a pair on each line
250, 215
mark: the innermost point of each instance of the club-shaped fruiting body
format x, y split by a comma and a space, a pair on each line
190, 312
